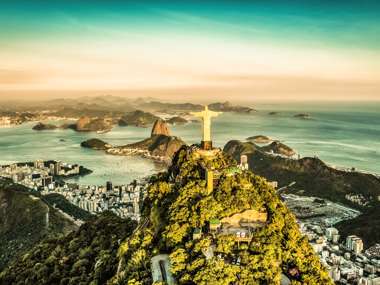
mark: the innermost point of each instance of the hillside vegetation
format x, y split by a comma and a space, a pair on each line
312, 176
23, 221
179, 205
86, 256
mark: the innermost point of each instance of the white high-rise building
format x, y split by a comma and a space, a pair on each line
39, 164
330, 232
244, 162
349, 241
335, 274
358, 246
355, 244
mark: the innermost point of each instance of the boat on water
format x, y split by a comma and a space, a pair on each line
103, 131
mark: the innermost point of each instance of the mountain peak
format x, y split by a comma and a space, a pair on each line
160, 127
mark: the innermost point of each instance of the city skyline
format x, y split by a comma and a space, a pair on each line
231, 50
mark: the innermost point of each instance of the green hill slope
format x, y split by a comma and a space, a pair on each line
24, 221
312, 176
86, 256
193, 225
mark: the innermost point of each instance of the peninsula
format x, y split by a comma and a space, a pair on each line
160, 146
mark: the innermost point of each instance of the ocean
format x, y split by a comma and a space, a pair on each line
341, 134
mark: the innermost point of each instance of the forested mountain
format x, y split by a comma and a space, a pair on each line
25, 220
197, 227
86, 256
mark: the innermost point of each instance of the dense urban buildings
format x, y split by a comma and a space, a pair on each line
46, 177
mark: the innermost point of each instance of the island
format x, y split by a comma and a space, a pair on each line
177, 120
96, 144
83, 124
303, 116
43, 127
229, 107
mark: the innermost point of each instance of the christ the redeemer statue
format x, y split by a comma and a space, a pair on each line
206, 116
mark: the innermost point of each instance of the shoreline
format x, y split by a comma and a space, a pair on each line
117, 151
334, 156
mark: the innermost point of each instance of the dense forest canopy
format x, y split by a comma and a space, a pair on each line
179, 204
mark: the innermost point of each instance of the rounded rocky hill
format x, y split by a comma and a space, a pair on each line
277, 147
87, 124
96, 144
43, 127
137, 118
177, 120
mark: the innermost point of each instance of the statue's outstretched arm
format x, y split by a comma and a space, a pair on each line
197, 114
215, 114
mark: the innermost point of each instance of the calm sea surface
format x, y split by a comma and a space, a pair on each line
345, 135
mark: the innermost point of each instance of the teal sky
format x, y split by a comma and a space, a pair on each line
64, 36
333, 23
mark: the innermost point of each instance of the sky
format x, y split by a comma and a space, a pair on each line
277, 50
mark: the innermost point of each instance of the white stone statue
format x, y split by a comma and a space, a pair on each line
206, 116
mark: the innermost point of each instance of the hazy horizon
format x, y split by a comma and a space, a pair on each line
172, 96
231, 50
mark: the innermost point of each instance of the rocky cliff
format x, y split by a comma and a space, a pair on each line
158, 145
160, 128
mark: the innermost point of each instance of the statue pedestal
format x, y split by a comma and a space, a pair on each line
206, 145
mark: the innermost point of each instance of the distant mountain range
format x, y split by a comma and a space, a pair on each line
108, 106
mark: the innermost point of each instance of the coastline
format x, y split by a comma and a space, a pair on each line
120, 151
339, 154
